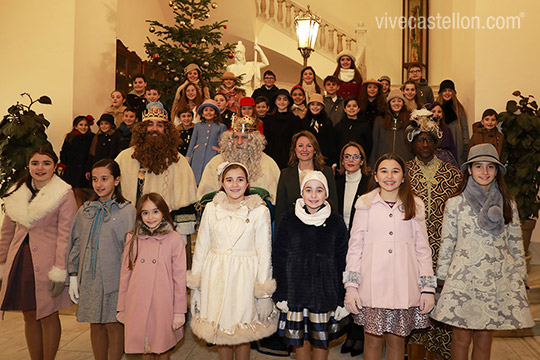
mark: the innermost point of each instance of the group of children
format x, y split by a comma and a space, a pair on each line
127, 265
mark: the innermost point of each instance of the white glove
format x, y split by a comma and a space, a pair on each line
282, 305
178, 321
74, 289
195, 301
352, 300
266, 307
340, 313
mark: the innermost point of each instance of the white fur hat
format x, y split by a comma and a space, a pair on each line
307, 175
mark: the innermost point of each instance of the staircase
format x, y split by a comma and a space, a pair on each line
331, 40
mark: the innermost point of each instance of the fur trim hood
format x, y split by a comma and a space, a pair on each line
366, 200
250, 201
21, 208
163, 229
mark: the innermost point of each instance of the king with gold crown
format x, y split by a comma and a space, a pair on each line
153, 164
243, 144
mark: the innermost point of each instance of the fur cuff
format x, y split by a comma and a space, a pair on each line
2, 268
266, 289
193, 281
58, 275
351, 277
429, 281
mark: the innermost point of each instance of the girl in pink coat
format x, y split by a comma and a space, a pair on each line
33, 242
389, 277
152, 300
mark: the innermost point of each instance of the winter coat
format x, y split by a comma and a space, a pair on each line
122, 138
74, 155
106, 148
47, 220
350, 88
185, 136
386, 141
334, 109
203, 146
300, 110
371, 112
309, 261
267, 93
447, 149
153, 291
360, 190
226, 118
232, 270
389, 259
117, 113
279, 129
119, 219
481, 135
425, 92
457, 122
321, 126
136, 102
484, 274
233, 97
357, 130
289, 190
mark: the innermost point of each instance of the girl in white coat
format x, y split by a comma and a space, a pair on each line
231, 275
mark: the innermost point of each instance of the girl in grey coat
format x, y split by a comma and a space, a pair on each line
95, 258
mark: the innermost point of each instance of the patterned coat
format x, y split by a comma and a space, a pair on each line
485, 275
434, 185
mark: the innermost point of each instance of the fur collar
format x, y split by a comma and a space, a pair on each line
24, 210
365, 201
250, 201
163, 229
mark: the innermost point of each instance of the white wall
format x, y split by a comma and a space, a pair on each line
38, 57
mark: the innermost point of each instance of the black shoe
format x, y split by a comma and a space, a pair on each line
357, 348
347, 346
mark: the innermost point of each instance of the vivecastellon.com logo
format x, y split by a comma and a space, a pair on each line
456, 21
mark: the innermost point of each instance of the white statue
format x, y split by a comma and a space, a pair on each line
249, 70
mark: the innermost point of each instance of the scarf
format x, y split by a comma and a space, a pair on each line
309, 89
449, 113
346, 75
100, 212
316, 219
487, 205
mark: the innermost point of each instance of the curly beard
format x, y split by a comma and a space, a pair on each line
155, 151
248, 154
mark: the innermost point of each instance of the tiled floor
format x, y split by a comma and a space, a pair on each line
75, 341
75, 344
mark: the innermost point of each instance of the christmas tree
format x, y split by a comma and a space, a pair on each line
185, 43
21, 131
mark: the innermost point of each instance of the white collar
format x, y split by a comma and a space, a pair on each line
21, 208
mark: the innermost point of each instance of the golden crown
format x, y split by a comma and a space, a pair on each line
244, 124
156, 114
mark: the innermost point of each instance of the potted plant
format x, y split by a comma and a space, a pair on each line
21, 131
521, 155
